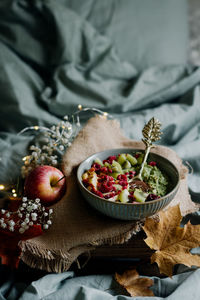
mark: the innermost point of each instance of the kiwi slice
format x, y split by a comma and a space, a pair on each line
127, 165
98, 161
139, 195
116, 167
123, 196
121, 159
131, 159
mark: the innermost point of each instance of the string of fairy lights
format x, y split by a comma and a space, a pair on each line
73, 127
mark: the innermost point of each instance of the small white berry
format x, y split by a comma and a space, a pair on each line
45, 226
49, 222
3, 211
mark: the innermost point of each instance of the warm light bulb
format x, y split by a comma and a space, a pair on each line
80, 107
13, 190
14, 195
2, 187
105, 114
36, 127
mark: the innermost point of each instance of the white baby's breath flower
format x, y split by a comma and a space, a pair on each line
11, 223
34, 206
32, 147
34, 216
61, 147
64, 141
42, 158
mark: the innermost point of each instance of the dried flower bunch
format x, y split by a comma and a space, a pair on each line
29, 213
56, 139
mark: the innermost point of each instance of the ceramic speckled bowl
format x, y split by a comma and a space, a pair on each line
129, 211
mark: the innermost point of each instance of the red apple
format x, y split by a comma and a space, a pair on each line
46, 183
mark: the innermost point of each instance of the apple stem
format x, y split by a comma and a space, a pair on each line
58, 180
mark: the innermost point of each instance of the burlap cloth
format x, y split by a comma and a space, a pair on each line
78, 228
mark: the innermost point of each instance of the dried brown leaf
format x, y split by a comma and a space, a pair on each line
135, 285
171, 242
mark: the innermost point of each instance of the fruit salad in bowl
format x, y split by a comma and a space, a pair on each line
115, 179
109, 181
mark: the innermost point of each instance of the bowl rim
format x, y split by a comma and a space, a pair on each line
129, 204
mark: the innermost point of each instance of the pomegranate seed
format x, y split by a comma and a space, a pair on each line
96, 166
123, 183
110, 195
152, 163
122, 177
132, 172
85, 182
104, 169
151, 197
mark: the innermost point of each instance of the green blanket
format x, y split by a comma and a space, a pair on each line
52, 60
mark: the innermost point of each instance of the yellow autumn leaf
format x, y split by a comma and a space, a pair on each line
172, 243
135, 285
